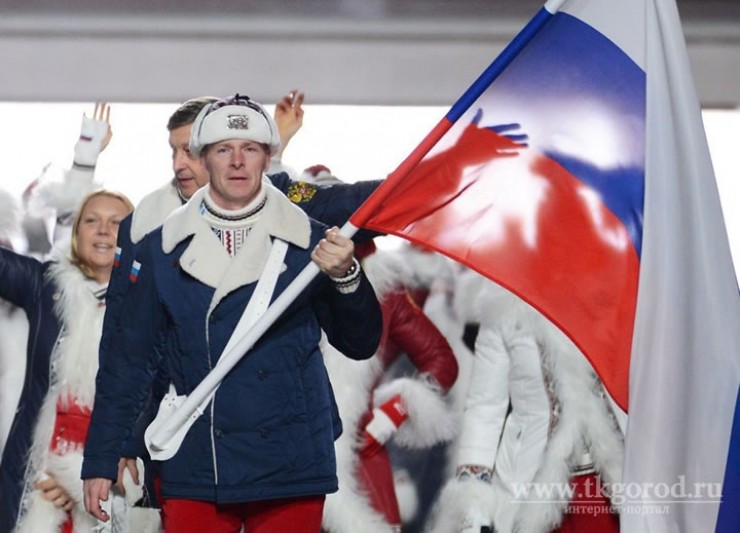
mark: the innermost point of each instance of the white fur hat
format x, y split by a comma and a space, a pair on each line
236, 117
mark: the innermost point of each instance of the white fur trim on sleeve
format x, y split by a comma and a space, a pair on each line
407, 495
63, 196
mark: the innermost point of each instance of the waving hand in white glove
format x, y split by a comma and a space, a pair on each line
95, 134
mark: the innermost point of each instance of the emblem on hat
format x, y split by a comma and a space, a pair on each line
238, 122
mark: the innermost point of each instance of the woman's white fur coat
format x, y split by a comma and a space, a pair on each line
583, 414
74, 365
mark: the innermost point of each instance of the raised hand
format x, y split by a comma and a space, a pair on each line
95, 134
289, 117
101, 113
479, 144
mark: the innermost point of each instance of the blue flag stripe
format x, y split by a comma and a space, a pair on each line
479, 86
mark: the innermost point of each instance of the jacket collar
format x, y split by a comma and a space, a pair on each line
205, 257
81, 315
153, 209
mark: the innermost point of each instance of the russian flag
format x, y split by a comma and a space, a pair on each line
135, 269
609, 223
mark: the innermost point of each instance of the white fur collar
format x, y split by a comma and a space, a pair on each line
349, 509
205, 257
74, 365
584, 415
493, 304
80, 312
153, 209
386, 271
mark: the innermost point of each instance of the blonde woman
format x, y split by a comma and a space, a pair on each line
64, 299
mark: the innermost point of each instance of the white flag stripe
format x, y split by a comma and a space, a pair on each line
685, 367
624, 25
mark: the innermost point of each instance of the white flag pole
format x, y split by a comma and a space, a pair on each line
553, 6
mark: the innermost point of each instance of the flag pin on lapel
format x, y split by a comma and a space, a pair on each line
117, 257
135, 268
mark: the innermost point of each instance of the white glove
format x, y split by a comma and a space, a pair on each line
93, 135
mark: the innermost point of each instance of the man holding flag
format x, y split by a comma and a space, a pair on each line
261, 453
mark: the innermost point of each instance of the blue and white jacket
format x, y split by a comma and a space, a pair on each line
269, 431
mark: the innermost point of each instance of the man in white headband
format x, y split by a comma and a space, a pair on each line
261, 456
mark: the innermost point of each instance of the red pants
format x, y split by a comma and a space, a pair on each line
295, 515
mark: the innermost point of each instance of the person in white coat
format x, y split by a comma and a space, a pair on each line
538, 437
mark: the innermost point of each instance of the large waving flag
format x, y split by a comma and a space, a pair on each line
559, 223
609, 222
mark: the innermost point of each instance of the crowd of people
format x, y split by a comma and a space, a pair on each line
392, 390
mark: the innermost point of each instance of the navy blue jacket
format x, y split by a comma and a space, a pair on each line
23, 282
271, 428
331, 205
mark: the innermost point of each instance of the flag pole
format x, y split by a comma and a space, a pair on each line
502, 61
